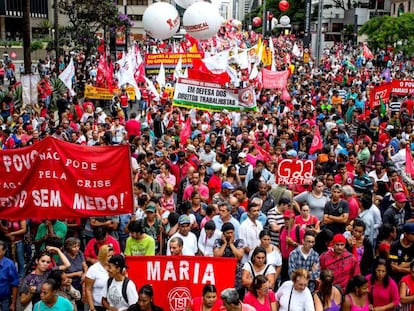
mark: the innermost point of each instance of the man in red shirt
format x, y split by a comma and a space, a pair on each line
133, 126
123, 100
101, 237
214, 184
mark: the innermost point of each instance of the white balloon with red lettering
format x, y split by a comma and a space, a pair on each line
161, 20
202, 20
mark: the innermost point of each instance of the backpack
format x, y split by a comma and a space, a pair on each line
124, 287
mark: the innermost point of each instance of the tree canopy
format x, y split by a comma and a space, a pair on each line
384, 31
87, 17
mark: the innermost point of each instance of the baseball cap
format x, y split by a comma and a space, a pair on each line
338, 238
150, 208
216, 167
184, 219
400, 197
158, 154
292, 153
227, 185
242, 155
408, 228
118, 260
284, 200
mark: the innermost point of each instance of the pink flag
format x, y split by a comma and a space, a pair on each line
185, 132
367, 52
409, 166
316, 142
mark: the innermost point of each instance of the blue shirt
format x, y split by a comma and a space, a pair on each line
8, 277
219, 223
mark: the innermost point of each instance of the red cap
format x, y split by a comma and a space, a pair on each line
400, 197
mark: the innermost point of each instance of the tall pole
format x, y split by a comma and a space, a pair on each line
319, 34
126, 28
26, 37
264, 22
56, 26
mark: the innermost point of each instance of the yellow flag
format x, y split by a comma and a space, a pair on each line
194, 49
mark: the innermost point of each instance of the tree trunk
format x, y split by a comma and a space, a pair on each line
27, 37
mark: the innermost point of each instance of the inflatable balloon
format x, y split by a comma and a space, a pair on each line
202, 20
283, 5
185, 3
284, 20
257, 21
13, 55
161, 20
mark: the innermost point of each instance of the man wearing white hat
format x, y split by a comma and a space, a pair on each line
101, 115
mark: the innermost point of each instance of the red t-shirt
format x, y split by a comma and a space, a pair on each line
133, 127
214, 184
90, 247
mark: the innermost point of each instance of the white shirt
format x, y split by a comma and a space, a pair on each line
205, 244
189, 244
249, 233
299, 301
114, 294
99, 274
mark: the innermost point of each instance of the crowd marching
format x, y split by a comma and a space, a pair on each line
345, 242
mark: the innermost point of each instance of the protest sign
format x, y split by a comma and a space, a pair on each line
212, 96
57, 180
291, 171
178, 279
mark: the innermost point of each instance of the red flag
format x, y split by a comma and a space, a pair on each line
409, 161
101, 73
367, 52
200, 72
101, 47
110, 76
140, 73
316, 142
266, 155
191, 41
185, 132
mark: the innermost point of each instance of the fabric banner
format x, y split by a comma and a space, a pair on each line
275, 79
57, 180
29, 89
382, 91
177, 279
170, 59
212, 96
402, 87
291, 171
93, 92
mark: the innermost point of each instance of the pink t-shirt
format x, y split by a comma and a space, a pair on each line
252, 300
384, 295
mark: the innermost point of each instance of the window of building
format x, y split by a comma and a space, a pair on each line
135, 17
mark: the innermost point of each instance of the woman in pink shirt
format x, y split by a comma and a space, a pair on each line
383, 291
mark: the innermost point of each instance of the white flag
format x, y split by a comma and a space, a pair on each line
178, 70
295, 50
67, 75
161, 76
272, 50
152, 88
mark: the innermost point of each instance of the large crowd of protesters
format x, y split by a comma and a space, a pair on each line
345, 242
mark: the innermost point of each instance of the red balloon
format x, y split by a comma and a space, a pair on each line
13, 55
257, 21
283, 5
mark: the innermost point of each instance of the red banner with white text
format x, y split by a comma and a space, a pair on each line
382, 91
177, 279
402, 87
57, 180
291, 171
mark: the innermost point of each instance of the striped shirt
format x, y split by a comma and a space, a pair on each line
274, 217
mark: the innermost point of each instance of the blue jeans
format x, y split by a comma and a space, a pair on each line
20, 258
5, 304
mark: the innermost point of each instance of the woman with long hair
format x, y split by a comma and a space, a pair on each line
232, 176
260, 295
208, 302
31, 284
97, 277
356, 295
145, 300
383, 291
258, 266
273, 255
328, 297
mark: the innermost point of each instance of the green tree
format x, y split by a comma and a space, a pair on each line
398, 32
86, 18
